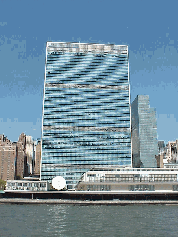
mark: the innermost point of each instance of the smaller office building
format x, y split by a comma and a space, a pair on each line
144, 133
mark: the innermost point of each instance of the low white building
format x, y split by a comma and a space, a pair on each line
26, 185
129, 179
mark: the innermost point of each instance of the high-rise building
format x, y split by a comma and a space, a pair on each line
86, 109
7, 158
37, 160
144, 133
21, 159
168, 154
30, 153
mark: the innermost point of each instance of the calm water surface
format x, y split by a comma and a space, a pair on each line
70, 220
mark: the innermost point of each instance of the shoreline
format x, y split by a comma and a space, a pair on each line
86, 202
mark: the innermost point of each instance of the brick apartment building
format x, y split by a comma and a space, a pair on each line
7, 158
37, 161
19, 159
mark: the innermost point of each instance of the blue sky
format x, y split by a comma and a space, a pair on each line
149, 28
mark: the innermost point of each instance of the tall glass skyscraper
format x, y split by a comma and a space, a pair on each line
144, 133
86, 109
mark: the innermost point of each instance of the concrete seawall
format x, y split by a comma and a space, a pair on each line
93, 195
85, 202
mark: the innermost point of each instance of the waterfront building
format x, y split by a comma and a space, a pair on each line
28, 154
21, 159
160, 160
171, 152
86, 109
161, 146
29, 150
37, 160
168, 155
129, 179
144, 133
7, 158
27, 185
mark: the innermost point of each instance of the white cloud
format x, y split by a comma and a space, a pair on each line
3, 23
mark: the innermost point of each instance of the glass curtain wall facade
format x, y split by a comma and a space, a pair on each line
144, 133
86, 109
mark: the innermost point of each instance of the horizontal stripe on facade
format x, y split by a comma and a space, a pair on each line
58, 85
112, 129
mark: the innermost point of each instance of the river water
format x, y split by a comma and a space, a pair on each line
71, 220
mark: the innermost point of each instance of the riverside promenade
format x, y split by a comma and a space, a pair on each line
86, 202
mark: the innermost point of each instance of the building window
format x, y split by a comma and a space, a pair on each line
141, 187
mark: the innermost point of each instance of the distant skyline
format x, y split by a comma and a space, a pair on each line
149, 28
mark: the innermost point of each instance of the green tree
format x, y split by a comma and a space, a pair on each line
2, 184
18, 177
